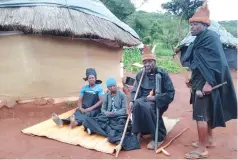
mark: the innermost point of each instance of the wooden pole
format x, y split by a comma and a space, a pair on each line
119, 146
162, 149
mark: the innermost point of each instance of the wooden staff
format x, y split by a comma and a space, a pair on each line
162, 149
158, 87
119, 146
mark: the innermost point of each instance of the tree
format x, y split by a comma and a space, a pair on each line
182, 8
147, 40
120, 8
164, 30
140, 27
142, 21
141, 4
156, 30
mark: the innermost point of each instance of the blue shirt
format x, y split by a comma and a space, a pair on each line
96, 89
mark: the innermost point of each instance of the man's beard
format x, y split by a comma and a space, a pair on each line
151, 70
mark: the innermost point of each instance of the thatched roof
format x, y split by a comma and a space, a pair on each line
66, 21
225, 37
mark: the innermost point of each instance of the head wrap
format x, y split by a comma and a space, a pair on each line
92, 71
111, 81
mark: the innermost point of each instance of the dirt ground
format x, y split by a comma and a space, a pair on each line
15, 144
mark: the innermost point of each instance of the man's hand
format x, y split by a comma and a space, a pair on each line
207, 89
130, 107
188, 83
150, 98
130, 88
110, 114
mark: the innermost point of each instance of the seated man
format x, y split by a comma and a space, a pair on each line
111, 121
89, 103
144, 107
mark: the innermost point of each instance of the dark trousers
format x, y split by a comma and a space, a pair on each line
79, 117
144, 119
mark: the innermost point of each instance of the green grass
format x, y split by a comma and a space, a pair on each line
161, 50
131, 56
169, 65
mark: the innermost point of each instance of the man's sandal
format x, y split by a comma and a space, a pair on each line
195, 155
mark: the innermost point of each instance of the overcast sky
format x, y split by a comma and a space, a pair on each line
220, 10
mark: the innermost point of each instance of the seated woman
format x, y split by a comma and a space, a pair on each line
113, 113
89, 103
112, 119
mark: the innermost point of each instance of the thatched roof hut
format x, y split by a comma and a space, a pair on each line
46, 45
86, 19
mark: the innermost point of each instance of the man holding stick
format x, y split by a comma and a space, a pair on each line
213, 104
144, 107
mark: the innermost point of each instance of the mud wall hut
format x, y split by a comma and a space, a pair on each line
46, 46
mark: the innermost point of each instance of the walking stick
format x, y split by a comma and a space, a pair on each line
119, 146
162, 149
157, 127
157, 90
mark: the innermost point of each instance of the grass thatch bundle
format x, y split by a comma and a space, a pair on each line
64, 22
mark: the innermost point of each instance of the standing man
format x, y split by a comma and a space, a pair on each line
144, 107
208, 63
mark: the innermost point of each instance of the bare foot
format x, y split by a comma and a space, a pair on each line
73, 122
210, 144
57, 120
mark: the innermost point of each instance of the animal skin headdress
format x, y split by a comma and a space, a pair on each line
202, 14
147, 54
